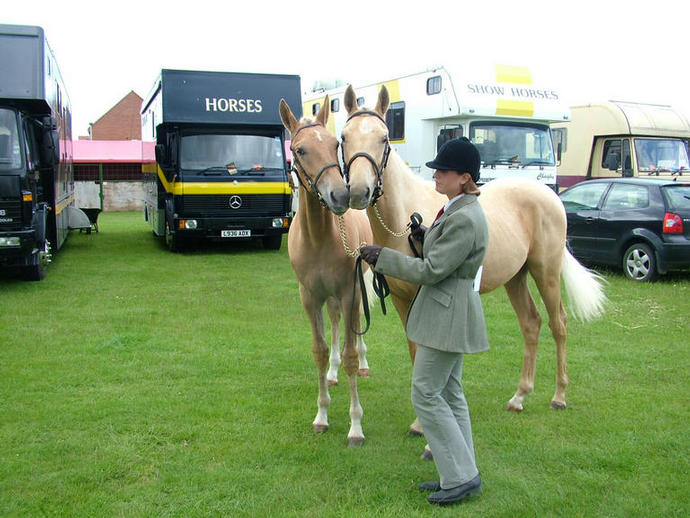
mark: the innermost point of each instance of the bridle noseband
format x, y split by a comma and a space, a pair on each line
312, 183
378, 190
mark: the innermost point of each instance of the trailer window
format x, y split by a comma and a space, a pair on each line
315, 108
335, 105
395, 120
233, 154
433, 85
10, 150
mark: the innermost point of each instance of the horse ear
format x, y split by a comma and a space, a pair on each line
350, 100
383, 102
286, 115
324, 112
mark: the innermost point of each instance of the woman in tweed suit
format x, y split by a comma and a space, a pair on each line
446, 318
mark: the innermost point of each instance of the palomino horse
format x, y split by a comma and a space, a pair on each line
527, 233
318, 257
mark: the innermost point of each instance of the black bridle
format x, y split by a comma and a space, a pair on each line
378, 190
312, 183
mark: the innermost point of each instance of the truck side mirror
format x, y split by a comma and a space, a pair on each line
559, 152
50, 148
160, 156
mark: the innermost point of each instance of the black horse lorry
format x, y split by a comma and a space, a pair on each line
36, 178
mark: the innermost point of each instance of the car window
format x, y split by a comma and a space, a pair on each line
677, 197
583, 196
625, 197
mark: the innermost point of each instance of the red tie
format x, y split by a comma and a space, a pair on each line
440, 213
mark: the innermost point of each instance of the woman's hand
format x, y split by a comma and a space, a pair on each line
370, 253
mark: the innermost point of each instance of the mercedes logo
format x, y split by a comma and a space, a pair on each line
235, 202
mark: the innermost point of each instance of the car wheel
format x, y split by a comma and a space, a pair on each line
639, 263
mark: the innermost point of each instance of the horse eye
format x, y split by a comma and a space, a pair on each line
342, 138
301, 151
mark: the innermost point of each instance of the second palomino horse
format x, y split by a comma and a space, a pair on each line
319, 260
527, 234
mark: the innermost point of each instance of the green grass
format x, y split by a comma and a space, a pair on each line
136, 382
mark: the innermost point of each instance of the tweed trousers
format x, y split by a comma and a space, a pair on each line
440, 404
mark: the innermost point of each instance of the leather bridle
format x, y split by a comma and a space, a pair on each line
378, 189
312, 183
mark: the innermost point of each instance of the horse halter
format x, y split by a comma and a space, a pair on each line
312, 183
378, 190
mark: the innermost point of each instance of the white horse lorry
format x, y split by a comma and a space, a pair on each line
500, 109
221, 167
614, 139
37, 207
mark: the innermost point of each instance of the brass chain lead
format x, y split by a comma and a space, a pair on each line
343, 237
385, 227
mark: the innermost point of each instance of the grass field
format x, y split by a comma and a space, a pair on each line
135, 382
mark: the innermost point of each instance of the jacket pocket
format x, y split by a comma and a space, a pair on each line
439, 296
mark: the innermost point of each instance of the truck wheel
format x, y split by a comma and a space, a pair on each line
38, 270
172, 241
639, 263
272, 242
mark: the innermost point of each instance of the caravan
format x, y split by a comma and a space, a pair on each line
615, 139
501, 110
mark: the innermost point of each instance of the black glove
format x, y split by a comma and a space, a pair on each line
418, 232
370, 253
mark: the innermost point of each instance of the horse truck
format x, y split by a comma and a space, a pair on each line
504, 110
37, 207
221, 170
622, 139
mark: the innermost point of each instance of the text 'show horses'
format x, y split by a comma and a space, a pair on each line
323, 268
527, 234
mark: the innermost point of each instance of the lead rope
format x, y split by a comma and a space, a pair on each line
380, 284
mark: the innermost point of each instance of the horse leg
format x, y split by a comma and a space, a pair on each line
355, 436
549, 284
530, 323
313, 309
333, 309
402, 306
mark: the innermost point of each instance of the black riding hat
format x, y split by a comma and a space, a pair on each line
459, 155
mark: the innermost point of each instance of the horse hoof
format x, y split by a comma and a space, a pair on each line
556, 405
332, 383
427, 455
511, 407
363, 373
355, 442
320, 428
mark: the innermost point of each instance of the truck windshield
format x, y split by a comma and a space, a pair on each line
10, 151
230, 154
661, 155
512, 143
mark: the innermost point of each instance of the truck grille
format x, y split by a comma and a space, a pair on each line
10, 214
220, 204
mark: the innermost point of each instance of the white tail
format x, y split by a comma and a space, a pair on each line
584, 287
369, 285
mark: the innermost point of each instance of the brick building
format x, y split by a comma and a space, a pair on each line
121, 122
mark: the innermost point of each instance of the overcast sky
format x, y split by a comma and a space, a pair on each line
588, 50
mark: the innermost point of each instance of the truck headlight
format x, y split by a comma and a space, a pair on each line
280, 222
188, 224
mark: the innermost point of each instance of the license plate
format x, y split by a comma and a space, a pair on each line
235, 233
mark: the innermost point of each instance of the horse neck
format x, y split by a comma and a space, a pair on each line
315, 221
397, 203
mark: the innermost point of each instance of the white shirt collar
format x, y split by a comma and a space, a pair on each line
451, 201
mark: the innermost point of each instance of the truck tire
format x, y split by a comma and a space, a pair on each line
172, 241
37, 271
639, 263
272, 242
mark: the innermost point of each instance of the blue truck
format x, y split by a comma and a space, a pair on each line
37, 207
221, 170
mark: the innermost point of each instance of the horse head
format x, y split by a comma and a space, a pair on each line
315, 157
365, 148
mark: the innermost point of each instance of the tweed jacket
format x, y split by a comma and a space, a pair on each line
446, 313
